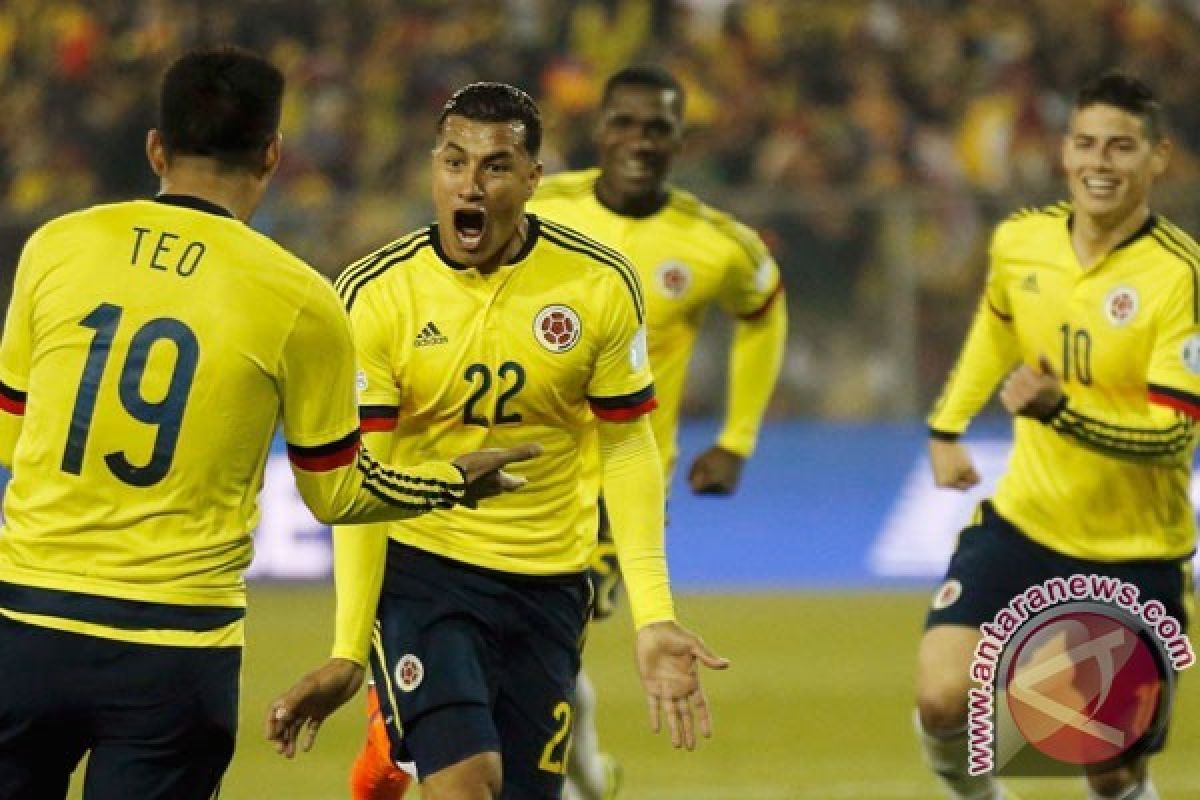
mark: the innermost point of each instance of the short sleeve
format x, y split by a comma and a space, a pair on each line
317, 374
621, 386
373, 329
1173, 377
751, 281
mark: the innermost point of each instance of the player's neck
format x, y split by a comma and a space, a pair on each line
510, 250
238, 192
1094, 237
630, 205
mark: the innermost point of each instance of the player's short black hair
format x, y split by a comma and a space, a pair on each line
488, 101
222, 103
650, 76
1124, 91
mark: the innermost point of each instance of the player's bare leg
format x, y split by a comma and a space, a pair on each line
479, 777
591, 774
1128, 782
374, 776
943, 680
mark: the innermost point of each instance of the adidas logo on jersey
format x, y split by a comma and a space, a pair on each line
1030, 282
429, 335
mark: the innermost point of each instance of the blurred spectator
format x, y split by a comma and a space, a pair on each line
872, 141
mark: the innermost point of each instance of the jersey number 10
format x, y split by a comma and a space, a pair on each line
166, 414
1076, 354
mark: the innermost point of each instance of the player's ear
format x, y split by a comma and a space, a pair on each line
535, 177
156, 152
272, 154
1161, 156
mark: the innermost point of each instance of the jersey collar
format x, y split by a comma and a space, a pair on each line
1145, 228
531, 237
194, 203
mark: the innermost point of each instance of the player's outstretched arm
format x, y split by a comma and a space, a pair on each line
667, 654
668, 660
361, 489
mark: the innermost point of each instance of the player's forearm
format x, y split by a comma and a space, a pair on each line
633, 494
364, 490
755, 359
359, 556
989, 354
1157, 435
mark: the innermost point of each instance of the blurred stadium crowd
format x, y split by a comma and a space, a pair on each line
872, 142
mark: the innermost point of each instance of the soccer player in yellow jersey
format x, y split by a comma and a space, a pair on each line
494, 326
690, 257
150, 349
1092, 311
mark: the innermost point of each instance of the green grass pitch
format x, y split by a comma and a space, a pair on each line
816, 706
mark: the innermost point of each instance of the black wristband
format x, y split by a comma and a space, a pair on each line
1053, 413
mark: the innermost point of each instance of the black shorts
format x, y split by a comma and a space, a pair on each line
468, 661
159, 722
994, 562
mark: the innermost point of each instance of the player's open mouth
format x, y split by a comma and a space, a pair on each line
469, 224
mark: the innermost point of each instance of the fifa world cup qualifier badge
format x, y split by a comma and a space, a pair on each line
1073, 673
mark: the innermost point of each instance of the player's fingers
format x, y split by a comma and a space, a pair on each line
277, 720
310, 734
512, 455
683, 711
508, 482
674, 723
698, 478
703, 713
652, 707
707, 657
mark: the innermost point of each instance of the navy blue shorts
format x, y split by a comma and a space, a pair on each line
468, 660
158, 722
994, 562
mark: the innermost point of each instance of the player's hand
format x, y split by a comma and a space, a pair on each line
296, 716
716, 471
668, 658
952, 465
484, 475
1033, 392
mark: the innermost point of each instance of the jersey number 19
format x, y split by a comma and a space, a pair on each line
166, 414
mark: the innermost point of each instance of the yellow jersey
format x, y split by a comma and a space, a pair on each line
452, 360
688, 256
1106, 477
151, 349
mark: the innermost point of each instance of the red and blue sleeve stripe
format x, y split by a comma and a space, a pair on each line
12, 400
325, 457
378, 418
625, 407
1177, 399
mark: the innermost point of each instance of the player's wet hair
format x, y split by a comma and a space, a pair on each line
497, 102
650, 76
1123, 91
222, 103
